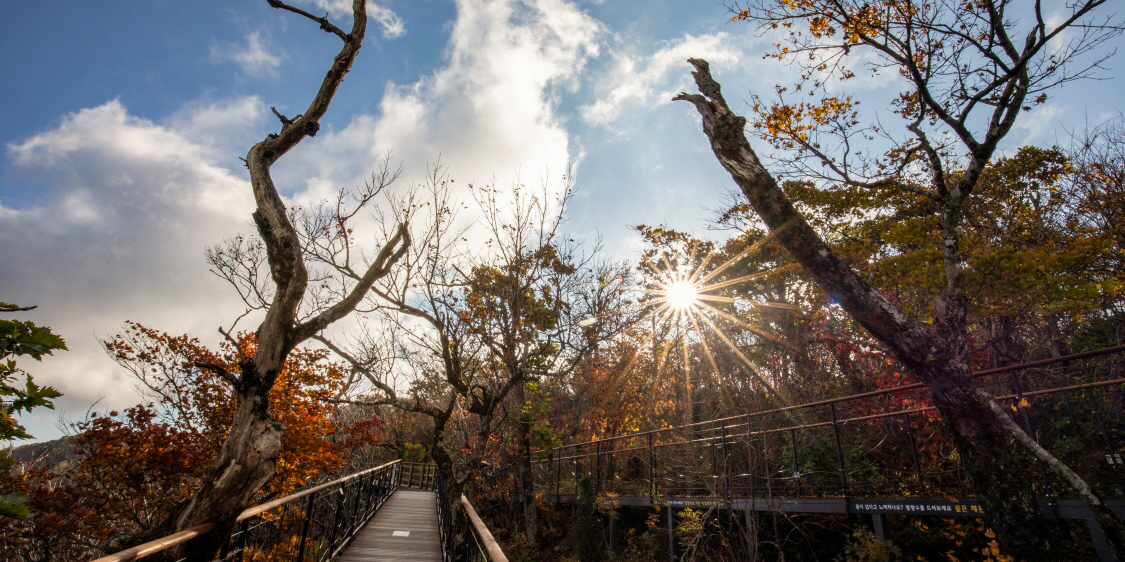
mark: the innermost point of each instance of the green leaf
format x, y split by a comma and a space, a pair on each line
34, 396
25, 338
13, 506
19, 338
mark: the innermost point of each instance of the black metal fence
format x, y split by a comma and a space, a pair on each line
478, 545
314, 525
886, 443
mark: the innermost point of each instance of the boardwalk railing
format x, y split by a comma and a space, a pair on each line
885, 443
418, 475
312, 525
479, 545
482, 548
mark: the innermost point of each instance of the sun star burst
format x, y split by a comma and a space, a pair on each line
681, 295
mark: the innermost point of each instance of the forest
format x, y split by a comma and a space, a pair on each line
900, 307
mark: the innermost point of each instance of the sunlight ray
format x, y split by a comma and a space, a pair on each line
715, 298
757, 331
753, 247
695, 275
742, 279
752, 367
714, 366
689, 406
753, 302
667, 343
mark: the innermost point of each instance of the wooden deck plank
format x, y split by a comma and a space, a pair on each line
406, 510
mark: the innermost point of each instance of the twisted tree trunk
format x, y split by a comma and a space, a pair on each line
248, 458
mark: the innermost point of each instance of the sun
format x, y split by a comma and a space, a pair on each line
681, 295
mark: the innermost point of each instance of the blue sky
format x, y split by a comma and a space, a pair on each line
124, 122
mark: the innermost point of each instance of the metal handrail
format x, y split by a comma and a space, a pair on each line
851, 397
803, 450
840, 421
369, 489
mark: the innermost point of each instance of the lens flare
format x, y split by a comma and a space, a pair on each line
681, 295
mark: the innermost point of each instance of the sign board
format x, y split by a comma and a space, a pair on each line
916, 507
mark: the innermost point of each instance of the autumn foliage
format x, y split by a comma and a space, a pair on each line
138, 467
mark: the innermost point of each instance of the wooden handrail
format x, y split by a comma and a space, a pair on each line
130, 554
152, 547
495, 554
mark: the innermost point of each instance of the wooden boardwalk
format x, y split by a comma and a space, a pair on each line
405, 528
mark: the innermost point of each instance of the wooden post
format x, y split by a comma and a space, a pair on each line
751, 533
671, 534
613, 531
878, 523
1101, 546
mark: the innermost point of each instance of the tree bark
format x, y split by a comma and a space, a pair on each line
246, 462
937, 353
248, 457
526, 484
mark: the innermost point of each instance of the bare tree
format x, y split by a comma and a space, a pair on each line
969, 71
480, 319
249, 453
1098, 156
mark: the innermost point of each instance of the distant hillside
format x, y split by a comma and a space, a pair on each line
48, 453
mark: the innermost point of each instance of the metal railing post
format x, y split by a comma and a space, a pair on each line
651, 471
610, 466
305, 528
796, 463
558, 477
766, 465
1030, 431
352, 525
597, 466
750, 461
839, 449
336, 519
1112, 456
914, 452
574, 504
726, 467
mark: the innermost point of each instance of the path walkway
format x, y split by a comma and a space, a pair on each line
405, 528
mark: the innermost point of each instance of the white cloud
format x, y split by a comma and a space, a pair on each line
130, 204
253, 58
128, 208
386, 18
390, 22
654, 79
229, 126
491, 109
335, 8
1035, 126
